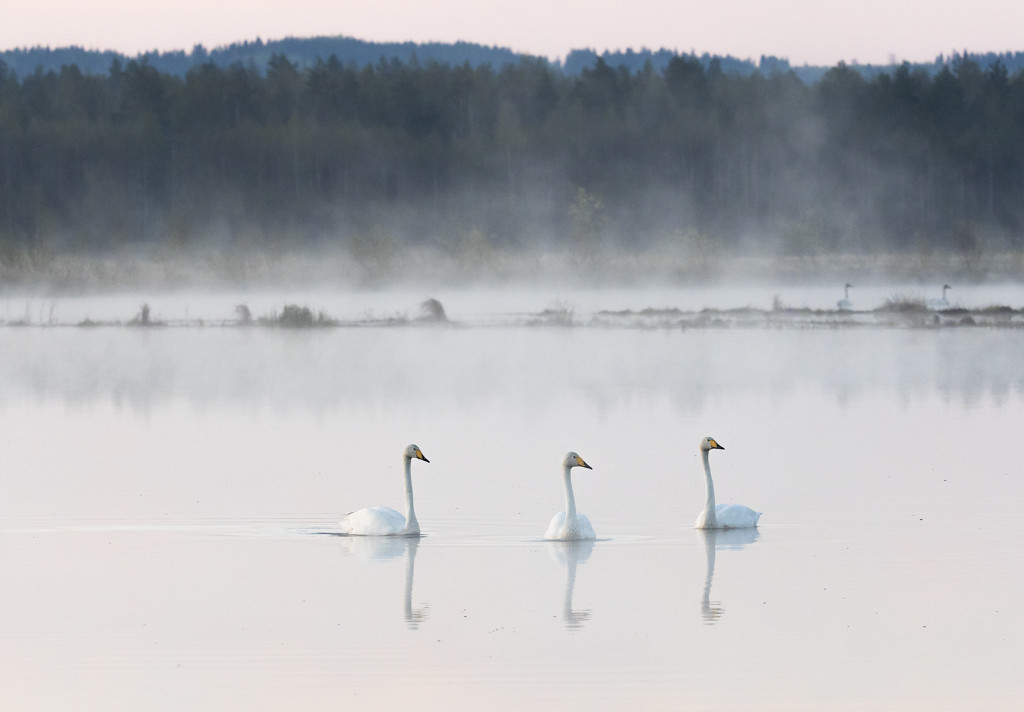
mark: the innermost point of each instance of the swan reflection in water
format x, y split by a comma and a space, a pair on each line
569, 554
376, 548
715, 539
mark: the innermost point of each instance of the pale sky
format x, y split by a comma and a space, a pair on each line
819, 32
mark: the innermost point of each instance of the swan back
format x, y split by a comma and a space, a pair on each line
577, 529
374, 521
736, 516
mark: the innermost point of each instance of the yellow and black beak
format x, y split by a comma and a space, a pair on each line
421, 456
582, 463
715, 445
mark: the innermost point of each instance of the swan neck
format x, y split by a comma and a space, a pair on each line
709, 506
570, 500
410, 513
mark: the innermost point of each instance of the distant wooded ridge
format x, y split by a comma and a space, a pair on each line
305, 52
475, 159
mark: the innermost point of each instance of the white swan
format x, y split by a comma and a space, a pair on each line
845, 304
939, 304
722, 516
384, 521
568, 525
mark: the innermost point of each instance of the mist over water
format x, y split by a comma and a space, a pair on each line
172, 496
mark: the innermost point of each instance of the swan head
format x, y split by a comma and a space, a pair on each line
413, 452
709, 443
574, 460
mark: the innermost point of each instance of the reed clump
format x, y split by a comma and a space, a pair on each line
903, 304
294, 316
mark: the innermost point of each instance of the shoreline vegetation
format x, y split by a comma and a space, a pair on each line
46, 278
896, 311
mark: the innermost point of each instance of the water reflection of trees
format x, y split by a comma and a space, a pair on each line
142, 369
711, 611
376, 548
570, 554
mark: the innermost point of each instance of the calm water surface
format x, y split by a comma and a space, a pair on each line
170, 504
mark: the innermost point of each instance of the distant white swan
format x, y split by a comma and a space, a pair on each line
722, 516
568, 525
384, 521
939, 304
845, 304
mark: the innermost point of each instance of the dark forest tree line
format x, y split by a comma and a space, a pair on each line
345, 155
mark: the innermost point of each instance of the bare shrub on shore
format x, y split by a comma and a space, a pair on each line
903, 304
297, 317
432, 310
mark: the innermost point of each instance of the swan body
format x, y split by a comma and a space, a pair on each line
845, 304
939, 304
570, 525
384, 521
721, 516
376, 521
559, 530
